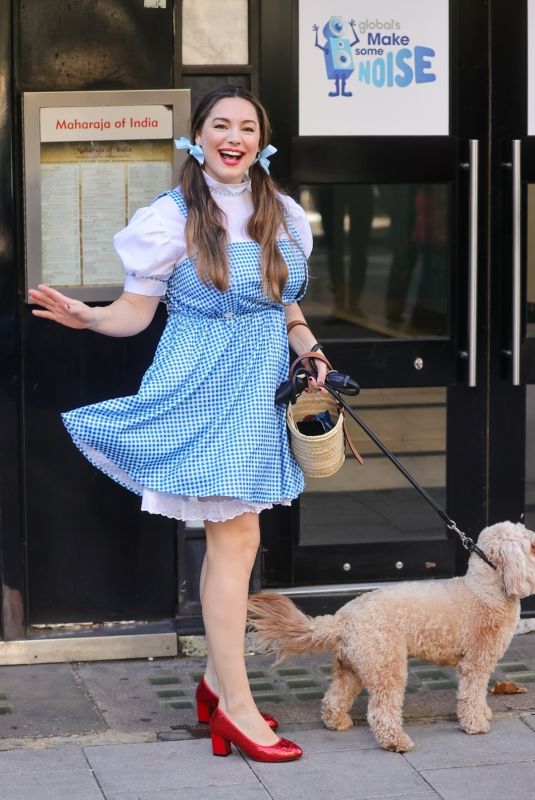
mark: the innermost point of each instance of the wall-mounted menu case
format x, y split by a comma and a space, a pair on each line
90, 160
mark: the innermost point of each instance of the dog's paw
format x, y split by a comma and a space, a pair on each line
487, 711
338, 722
400, 744
476, 726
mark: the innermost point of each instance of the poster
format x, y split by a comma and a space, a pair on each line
374, 67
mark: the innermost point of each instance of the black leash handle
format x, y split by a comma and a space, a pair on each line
466, 541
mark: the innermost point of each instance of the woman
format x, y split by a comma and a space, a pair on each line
203, 439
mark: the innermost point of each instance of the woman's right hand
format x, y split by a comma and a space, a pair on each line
61, 309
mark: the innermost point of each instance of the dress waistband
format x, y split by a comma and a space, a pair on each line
188, 311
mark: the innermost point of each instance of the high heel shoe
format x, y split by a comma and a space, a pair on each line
207, 701
223, 732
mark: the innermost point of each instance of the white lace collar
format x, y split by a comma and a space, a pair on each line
227, 189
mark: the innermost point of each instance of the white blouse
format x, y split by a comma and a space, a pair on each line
154, 242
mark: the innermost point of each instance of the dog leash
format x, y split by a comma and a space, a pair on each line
466, 541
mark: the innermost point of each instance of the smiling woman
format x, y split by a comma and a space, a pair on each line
229, 252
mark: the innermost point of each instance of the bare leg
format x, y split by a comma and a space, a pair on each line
231, 549
340, 696
210, 675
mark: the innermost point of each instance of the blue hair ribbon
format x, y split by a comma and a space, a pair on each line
264, 156
194, 150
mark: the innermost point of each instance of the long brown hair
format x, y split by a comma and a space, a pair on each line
206, 235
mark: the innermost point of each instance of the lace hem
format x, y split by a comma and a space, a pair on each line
212, 509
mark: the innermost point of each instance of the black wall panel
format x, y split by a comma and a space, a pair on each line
91, 553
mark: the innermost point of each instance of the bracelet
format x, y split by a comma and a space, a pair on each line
316, 347
295, 322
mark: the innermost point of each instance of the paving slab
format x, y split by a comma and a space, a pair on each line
529, 720
60, 759
45, 700
155, 766
446, 745
344, 775
128, 701
232, 792
321, 740
429, 794
489, 782
68, 785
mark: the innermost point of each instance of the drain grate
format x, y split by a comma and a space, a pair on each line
169, 693
517, 671
5, 707
164, 680
307, 684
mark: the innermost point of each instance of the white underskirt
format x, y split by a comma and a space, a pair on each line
176, 506
214, 509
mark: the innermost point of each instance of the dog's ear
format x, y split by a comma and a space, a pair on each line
513, 558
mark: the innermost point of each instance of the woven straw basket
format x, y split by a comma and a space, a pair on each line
323, 455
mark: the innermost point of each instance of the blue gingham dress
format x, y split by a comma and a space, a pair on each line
202, 437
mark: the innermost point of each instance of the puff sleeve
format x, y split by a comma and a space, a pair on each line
150, 246
299, 219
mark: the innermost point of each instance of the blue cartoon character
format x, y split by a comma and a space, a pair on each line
337, 51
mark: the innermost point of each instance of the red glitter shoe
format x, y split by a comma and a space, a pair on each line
224, 733
207, 701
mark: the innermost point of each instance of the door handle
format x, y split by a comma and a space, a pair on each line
516, 264
473, 166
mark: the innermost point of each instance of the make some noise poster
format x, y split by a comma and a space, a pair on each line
373, 68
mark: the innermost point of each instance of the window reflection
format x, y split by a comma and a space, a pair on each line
214, 32
375, 503
380, 260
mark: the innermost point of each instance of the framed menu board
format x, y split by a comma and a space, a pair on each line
91, 159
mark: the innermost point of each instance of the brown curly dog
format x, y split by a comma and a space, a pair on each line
466, 622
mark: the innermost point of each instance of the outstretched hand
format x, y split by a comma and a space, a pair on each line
61, 309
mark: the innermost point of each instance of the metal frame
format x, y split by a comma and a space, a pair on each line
33, 102
12, 553
473, 262
88, 648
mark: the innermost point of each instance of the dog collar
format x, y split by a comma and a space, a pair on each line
470, 545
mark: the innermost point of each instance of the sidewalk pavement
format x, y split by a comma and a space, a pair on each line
127, 731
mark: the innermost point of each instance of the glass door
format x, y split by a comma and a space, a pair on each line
396, 276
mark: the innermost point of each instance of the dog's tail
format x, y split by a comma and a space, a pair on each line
280, 628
